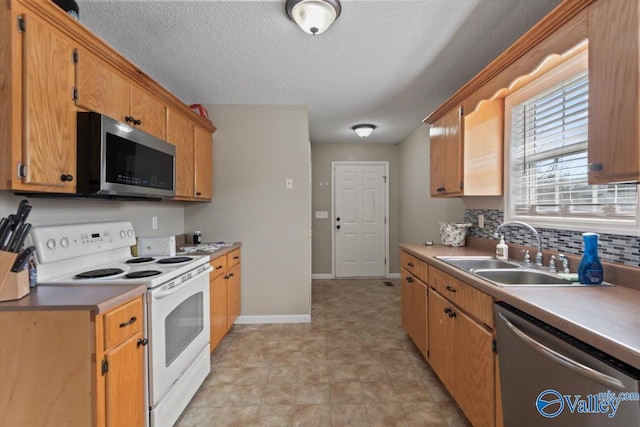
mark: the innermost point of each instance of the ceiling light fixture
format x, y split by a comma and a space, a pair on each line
313, 16
363, 131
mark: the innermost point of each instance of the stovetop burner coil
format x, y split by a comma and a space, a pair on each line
174, 260
141, 274
139, 260
102, 272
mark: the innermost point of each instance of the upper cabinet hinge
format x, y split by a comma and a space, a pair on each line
22, 170
494, 346
105, 367
74, 93
385, 261
74, 56
461, 111
462, 185
22, 24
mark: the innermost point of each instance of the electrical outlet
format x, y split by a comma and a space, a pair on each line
289, 183
154, 222
480, 220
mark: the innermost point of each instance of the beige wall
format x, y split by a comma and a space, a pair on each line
321, 157
66, 211
419, 212
255, 149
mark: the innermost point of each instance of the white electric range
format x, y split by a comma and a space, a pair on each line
177, 302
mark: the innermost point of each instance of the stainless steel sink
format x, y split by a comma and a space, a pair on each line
523, 277
471, 263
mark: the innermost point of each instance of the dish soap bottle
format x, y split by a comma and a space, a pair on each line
590, 269
502, 250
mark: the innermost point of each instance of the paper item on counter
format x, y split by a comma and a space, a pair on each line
205, 247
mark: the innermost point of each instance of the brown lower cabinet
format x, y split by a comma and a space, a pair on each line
451, 323
225, 295
73, 367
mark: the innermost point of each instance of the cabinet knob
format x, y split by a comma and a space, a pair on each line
410, 264
198, 193
595, 167
409, 280
142, 341
129, 119
440, 189
218, 267
66, 178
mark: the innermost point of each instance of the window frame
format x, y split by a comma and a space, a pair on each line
553, 77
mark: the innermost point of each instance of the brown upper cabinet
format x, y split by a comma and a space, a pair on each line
446, 154
104, 90
54, 67
37, 110
612, 29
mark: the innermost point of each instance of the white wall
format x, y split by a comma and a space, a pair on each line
420, 214
255, 149
66, 211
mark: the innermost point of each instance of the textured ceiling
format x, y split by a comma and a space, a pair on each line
389, 63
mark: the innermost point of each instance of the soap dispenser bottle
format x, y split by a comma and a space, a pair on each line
502, 250
590, 269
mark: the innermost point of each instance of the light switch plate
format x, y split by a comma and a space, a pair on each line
322, 214
289, 183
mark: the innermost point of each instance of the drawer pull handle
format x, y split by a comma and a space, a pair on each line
236, 257
231, 274
142, 342
410, 264
218, 267
129, 322
450, 289
452, 313
409, 279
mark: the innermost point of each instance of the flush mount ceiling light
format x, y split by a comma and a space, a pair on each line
313, 16
363, 131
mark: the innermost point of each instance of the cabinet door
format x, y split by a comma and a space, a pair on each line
437, 161
218, 310
180, 133
150, 111
100, 88
614, 106
453, 153
441, 337
474, 373
49, 144
203, 164
233, 298
406, 294
483, 149
419, 297
124, 383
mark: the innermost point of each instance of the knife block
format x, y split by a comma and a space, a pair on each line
13, 286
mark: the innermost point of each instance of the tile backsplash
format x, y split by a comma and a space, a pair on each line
611, 247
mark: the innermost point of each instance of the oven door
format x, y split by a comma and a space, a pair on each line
178, 330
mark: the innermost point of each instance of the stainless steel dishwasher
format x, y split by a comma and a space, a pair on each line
549, 378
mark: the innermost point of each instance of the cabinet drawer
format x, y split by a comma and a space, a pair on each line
219, 266
233, 258
122, 323
468, 298
418, 268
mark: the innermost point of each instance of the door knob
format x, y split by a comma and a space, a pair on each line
338, 219
338, 227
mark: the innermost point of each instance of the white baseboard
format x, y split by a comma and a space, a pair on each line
393, 276
284, 318
324, 276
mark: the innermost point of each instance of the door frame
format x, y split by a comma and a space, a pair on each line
386, 209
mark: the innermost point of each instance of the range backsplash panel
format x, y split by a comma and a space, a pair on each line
611, 247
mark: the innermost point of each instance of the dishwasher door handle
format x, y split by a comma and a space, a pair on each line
565, 361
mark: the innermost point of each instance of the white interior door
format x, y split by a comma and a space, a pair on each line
359, 220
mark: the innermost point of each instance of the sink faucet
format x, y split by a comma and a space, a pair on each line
533, 230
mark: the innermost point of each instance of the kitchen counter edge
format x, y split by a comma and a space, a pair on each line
605, 317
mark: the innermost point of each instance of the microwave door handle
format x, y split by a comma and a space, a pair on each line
161, 294
565, 361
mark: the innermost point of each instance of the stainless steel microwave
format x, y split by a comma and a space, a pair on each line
115, 159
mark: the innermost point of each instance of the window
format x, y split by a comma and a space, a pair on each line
547, 125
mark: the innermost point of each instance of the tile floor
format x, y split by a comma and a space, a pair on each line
353, 365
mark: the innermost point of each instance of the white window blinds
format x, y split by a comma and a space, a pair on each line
548, 151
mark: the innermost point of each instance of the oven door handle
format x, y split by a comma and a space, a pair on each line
161, 293
563, 360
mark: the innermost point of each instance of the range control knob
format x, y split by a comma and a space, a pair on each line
64, 242
51, 244
123, 234
130, 232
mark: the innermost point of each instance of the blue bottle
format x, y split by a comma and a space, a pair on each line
590, 269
